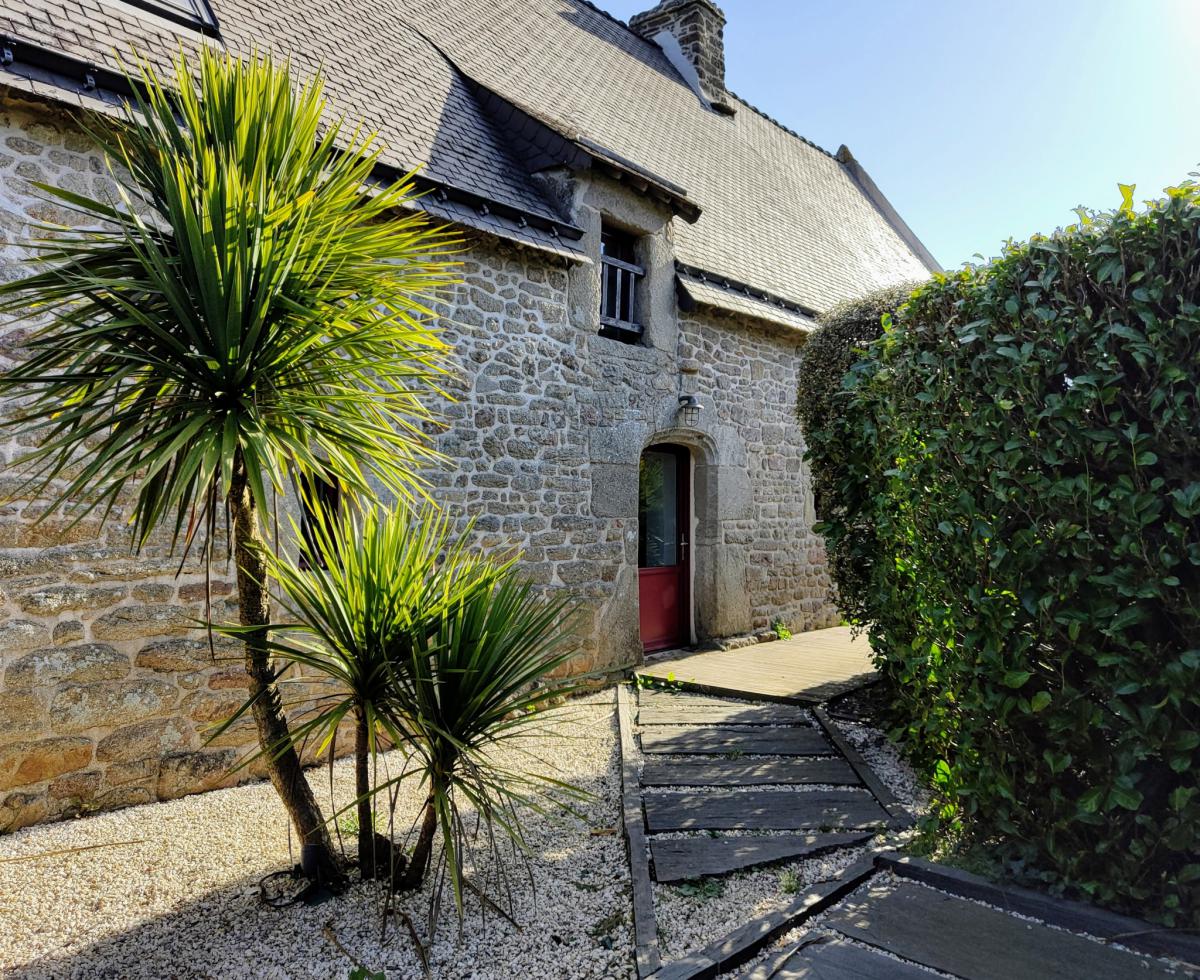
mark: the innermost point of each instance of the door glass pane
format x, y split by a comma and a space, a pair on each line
658, 498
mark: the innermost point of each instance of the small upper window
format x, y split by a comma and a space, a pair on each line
194, 13
619, 278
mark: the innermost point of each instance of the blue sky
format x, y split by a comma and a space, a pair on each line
980, 119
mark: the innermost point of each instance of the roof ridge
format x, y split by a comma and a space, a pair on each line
775, 122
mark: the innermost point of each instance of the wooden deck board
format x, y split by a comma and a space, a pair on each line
712, 740
808, 668
675, 709
682, 859
842, 961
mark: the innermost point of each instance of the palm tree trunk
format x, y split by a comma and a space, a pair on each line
283, 765
374, 850
414, 874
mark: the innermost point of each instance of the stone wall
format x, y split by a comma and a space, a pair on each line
106, 687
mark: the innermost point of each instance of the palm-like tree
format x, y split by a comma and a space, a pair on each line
249, 308
427, 646
356, 592
476, 678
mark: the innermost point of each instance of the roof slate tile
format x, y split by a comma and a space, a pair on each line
778, 213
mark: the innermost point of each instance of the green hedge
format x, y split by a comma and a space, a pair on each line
842, 334
1024, 445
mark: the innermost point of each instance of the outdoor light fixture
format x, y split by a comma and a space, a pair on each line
689, 410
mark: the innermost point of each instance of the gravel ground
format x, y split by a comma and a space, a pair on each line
884, 759
176, 895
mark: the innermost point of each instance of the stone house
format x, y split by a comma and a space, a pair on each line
645, 255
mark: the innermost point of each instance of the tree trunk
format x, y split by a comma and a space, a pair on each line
414, 874
375, 853
283, 765
362, 787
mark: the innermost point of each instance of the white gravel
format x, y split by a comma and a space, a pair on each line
182, 900
884, 759
689, 923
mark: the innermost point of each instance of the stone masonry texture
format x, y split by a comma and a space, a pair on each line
108, 689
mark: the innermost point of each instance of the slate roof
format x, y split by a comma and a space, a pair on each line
777, 213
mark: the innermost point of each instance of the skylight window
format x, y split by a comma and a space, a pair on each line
193, 13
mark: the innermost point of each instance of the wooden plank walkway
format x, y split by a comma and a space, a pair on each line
689, 814
733, 773
711, 740
681, 709
807, 669
825, 959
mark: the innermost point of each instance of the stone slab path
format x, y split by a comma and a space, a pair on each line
719, 787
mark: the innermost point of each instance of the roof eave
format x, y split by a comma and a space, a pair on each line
62, 78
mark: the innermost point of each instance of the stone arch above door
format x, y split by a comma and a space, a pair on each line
722, 496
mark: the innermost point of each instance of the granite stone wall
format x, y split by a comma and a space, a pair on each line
106, 686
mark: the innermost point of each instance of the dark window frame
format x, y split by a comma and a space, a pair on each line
620, 277
204, 20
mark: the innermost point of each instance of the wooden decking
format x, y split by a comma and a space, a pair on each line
807, 669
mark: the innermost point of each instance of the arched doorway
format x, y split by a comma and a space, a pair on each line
665, 546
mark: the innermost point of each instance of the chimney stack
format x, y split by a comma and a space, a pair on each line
697, 27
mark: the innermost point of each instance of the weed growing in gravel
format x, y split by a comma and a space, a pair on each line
704, 889
789, 881
606, 926
348, 822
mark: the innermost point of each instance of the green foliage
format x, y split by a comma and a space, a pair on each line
245, 297
781, 630
444, 652
354, 595
1024, 443
837, 343
479, 678
790, 881
701, 888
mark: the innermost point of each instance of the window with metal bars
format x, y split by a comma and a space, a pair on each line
193, 13
619, 278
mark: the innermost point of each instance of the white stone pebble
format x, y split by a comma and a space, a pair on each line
175, 894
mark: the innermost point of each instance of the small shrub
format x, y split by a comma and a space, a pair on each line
789, 881
780, 629
1024, 445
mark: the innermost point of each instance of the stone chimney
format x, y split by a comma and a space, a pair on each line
695, 30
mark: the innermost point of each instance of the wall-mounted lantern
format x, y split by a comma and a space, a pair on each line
689, 410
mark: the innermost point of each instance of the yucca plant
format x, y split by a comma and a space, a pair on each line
353, 592
477, 680
248, 309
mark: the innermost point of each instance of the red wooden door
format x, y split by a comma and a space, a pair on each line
664, 546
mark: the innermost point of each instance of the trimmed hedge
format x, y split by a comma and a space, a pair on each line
843, 333
1024, 445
